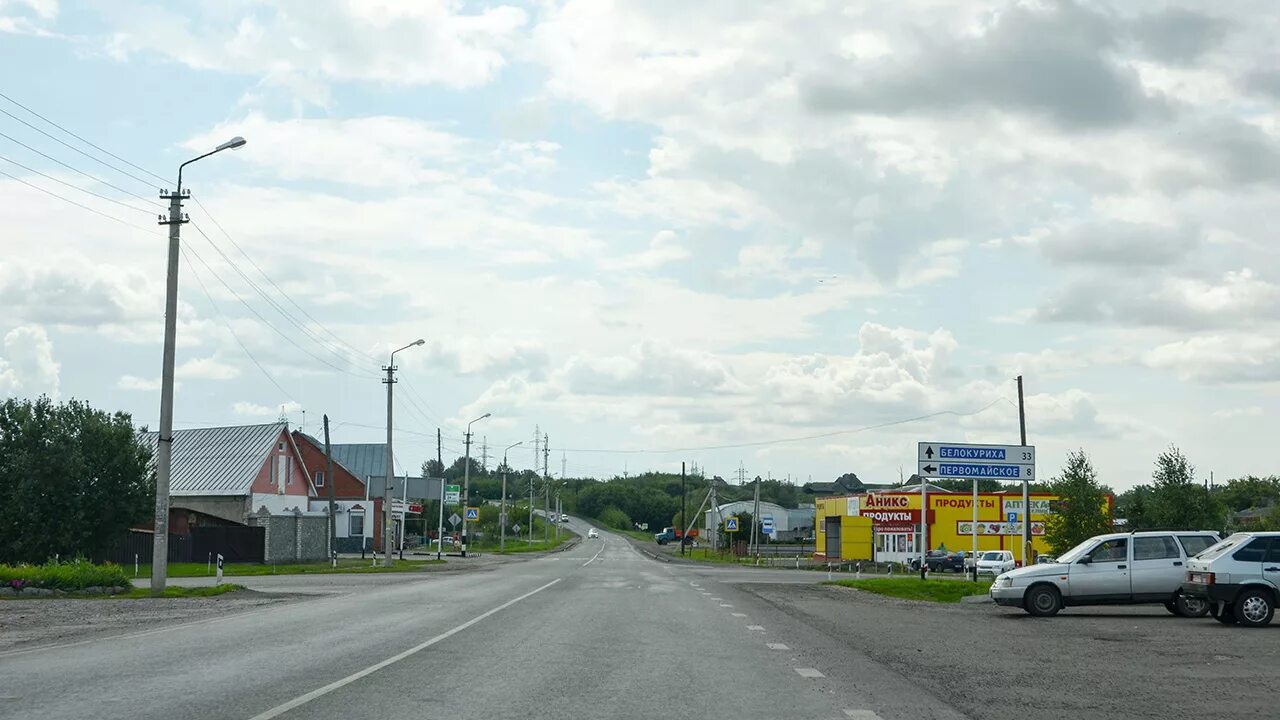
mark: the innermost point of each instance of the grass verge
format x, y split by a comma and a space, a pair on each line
67, 576
174, 591
522, 545
941, 591
345, 565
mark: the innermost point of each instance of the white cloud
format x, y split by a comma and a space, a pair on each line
664, 248
131, 382
1233, 358
1250, 411
27, 366
248, 409
206, 368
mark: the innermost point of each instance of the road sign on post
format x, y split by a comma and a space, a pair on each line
516, 528
452, 493
454, 519
473, 514
731, 524
962, 460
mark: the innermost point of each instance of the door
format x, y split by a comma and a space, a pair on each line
833, 537
1105, 577
1157, 570
1271, 565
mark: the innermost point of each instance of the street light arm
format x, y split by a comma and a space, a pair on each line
231, 144
415, 343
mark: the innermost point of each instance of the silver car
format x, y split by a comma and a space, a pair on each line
1239, 578
1113, 569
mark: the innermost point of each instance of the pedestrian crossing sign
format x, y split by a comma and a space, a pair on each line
731, 524
473, 514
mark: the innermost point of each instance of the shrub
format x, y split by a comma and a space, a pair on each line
70, 576
615, 518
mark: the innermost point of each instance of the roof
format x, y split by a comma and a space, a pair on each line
319, 446
364, 460
218, 460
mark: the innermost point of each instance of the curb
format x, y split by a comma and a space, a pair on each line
977, 599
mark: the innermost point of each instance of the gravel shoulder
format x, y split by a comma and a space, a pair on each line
26, 624
1101, 662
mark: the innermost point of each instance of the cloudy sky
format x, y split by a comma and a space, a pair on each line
660, 226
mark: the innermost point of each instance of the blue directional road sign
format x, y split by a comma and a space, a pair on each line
766, 524
473, 514
731, 524
963, 460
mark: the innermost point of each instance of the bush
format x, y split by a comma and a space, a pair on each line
70, 576
615, 518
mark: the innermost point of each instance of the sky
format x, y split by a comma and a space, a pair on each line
796, 238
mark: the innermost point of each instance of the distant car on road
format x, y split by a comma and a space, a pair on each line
564, 518
1112, 569
592, 533
995, 562
1239, 578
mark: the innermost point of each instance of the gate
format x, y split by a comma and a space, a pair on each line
137, 545
236, 543
831, 528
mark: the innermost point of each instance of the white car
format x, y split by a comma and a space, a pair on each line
1239, 578
592, 533
995, 562
564, 518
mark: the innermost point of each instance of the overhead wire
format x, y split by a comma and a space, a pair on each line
74, 169
81, 205
60, 141
100, 196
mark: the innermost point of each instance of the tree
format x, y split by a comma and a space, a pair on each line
1082, 509
433, 468
1178, 502
1249, 492
74, 478
1134, 507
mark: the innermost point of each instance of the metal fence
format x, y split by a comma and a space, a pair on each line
136, 546
234, 542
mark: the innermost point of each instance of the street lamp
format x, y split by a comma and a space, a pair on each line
502, 516
164, 441
466, 482
386, 491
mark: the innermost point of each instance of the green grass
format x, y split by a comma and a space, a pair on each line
522, 545
174, 591
70, 576
942, 591
345, 565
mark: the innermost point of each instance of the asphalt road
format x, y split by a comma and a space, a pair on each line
603, 631
597, 631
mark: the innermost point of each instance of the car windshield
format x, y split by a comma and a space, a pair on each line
1077, 552
1216, 551
992, 556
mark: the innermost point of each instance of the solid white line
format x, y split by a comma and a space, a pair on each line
318, 692
809, 672
862, 714
593, 557
725, 605
756, 627
739, 614
777, 646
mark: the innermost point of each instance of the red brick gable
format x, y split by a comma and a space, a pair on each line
347, 486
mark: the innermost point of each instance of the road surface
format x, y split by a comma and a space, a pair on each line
597, 631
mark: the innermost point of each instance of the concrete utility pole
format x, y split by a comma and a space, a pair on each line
546, 487
502, 516
484, 452
328, 480
755, 521
1026, 482
390, 382
466, 482
164, 439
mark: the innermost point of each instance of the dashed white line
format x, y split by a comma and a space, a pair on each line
756, 627
717, 599
704, 592
725, 605
593, 557
777, 646
809, 672
739, 614
336, 684
862, 714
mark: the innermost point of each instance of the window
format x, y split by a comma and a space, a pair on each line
992, 556
319, 478
288, 470
1252, 552
1111, 551
1273, 554
1154, 548
280, 447
1195, 544
355, 524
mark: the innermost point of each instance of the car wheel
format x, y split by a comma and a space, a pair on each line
1190, 607
1043, 601
1171, 607
1226, 615
1254, 608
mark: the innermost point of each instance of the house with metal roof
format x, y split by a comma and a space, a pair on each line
222, 474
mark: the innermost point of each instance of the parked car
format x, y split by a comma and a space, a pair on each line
995, 562
931, 557
1111, 569
592, 533
1239, 578
944, 561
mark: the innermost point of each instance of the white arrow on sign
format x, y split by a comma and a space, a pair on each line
977, 471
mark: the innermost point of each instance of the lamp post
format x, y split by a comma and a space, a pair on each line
466, 482
164, 441
502, 516
391, 472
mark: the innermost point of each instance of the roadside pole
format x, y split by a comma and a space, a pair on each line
973, 530
440, 524
386, 491
924, 527
502, 515
684, 525
328, 479
1026, 482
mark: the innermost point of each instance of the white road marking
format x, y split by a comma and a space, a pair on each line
704, 592
777, 646
863, 714
809, 672
716, 599
337, 684
593, 557
756, 627
739, 614
725, 605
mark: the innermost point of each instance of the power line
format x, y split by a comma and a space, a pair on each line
74, 169
150, 231
76, 149
86, 142
279, 289
226, 322
74, 187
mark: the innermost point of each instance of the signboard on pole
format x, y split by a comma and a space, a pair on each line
516, 528
452, 493
219, 580
454, 519
731, 524
766, 524
473, 514
967, 461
